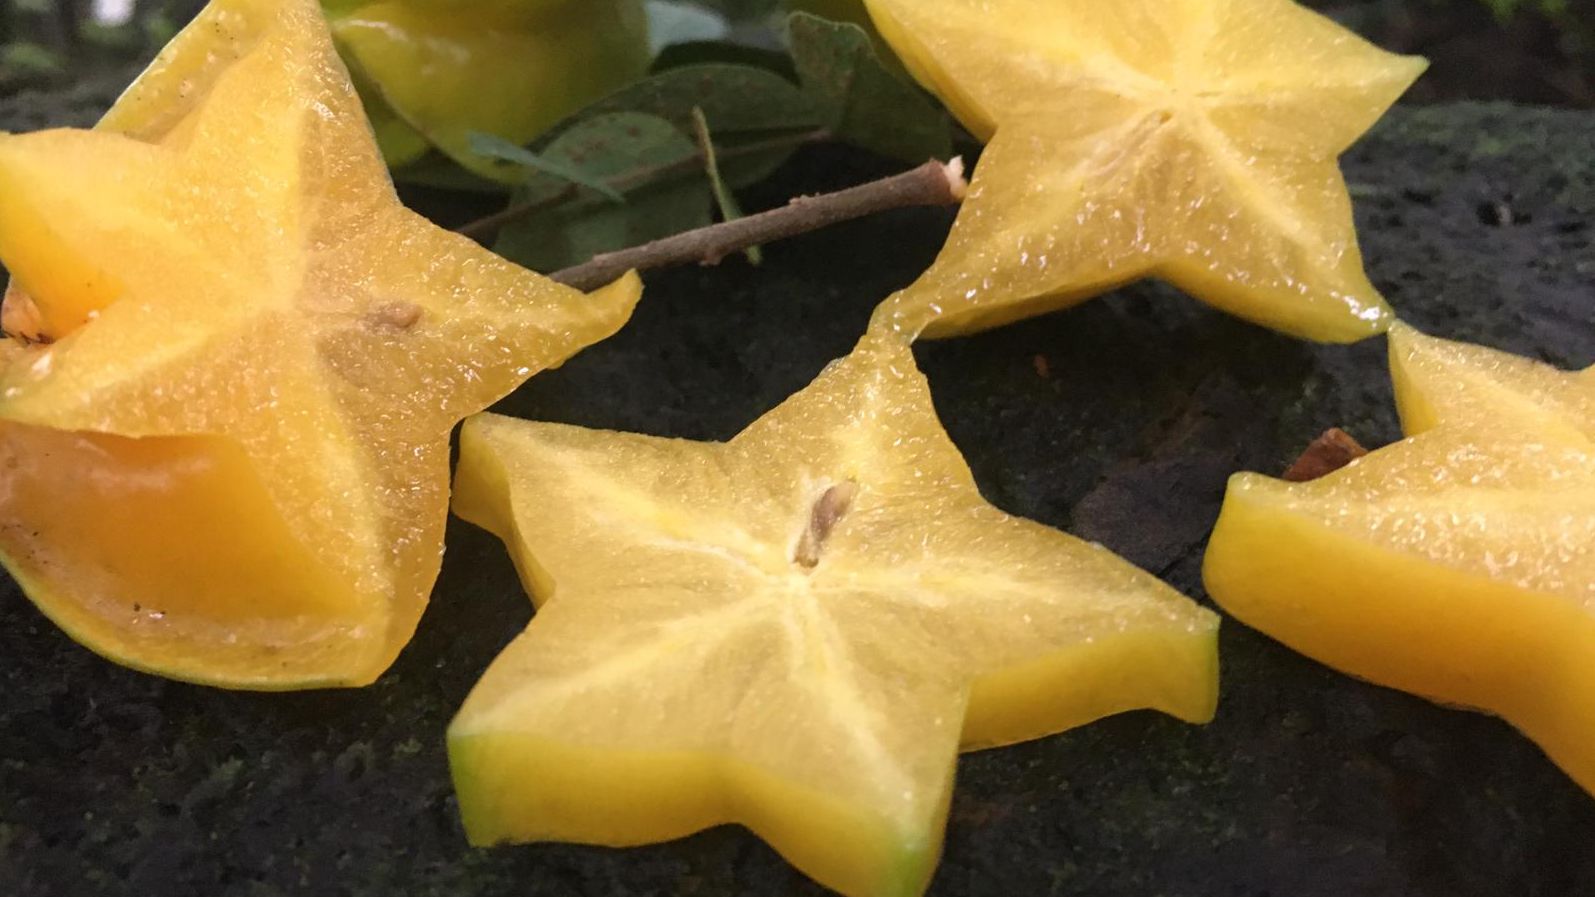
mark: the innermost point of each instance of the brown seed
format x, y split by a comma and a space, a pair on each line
828, 510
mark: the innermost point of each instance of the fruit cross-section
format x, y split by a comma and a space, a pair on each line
797, 630
1193, 141
237, 360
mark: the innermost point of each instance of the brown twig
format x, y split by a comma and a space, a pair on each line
485, 227
1328, 453
931, 184
488, 225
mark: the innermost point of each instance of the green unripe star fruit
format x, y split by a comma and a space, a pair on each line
433, 71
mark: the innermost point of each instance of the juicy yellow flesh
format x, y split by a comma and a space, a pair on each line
1194, 143
283, 357
72, 290
1443, 383
686, 667
1458, 564
507, 70
134, 547
1452, 635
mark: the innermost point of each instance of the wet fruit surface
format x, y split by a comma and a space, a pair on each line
1458, 564
242, 316
1193, 142
797, 630
1310, 783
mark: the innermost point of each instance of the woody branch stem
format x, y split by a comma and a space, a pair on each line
932, 184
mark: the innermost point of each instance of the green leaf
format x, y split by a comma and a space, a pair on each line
498, 148
866, 104
744, 105
646, 157
736, 99
730, 209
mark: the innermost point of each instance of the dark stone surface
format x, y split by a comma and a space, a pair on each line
1477, 221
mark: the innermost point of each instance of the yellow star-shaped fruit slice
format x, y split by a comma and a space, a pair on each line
1193, 140
1458, 564
228, 460
797, 630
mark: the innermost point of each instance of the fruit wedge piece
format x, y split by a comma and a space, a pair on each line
1458, 564
1194, 142
797, 631
226, 440
510, 68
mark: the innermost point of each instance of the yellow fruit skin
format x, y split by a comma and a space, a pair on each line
511, 69
1030, 702
1400, 621
622, 799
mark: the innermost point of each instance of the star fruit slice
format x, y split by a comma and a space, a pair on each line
797, 631
228, 460
1458, 564
510, 68
1190, 141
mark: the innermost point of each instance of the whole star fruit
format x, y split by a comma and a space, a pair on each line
1193, 141
1458, 564
225, 423
797, 631
510, 68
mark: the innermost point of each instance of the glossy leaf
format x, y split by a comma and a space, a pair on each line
867, 104
644, 157
497, 148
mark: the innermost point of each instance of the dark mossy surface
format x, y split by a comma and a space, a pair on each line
1477, 221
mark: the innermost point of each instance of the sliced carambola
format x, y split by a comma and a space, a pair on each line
1458, 564
224, 421
1194, 142
797, 630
